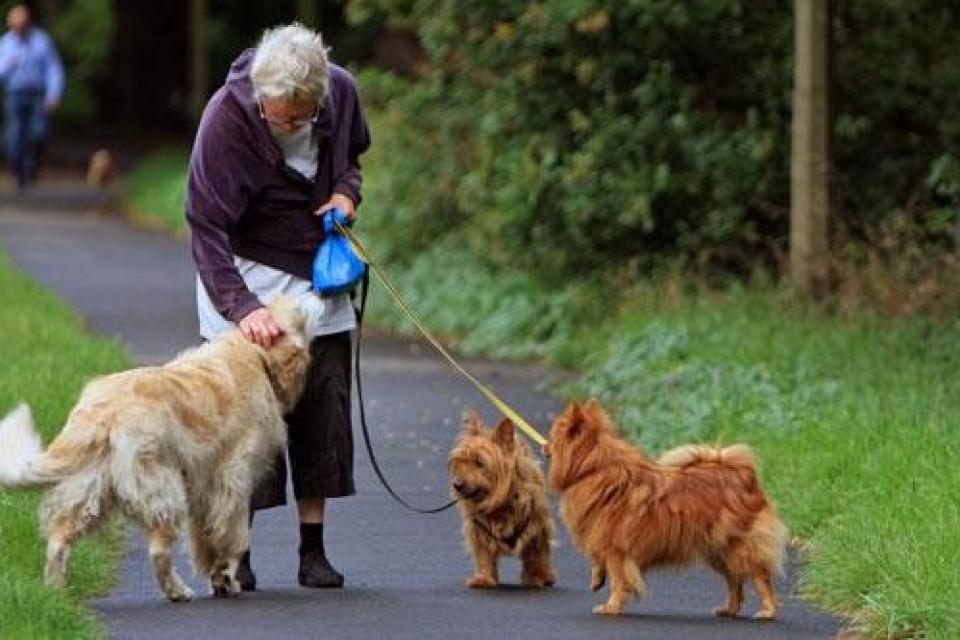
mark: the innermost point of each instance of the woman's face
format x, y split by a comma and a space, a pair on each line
288, 116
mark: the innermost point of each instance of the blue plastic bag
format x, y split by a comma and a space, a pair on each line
336, 267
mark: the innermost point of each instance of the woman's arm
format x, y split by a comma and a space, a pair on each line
219, 186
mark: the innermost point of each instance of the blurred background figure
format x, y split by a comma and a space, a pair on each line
32, 75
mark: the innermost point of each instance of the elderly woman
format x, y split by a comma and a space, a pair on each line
277, 147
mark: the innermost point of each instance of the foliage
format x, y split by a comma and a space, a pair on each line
582, 133
83, 31
46, 357
414, 182
893, 80
479, 307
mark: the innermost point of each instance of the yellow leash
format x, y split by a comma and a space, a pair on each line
504, 408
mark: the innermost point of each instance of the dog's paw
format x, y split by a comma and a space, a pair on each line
725, 612
538, 580
606, 609
220, 586
765, 614
184, 594
481, 581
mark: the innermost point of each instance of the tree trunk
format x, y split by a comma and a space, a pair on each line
810, 153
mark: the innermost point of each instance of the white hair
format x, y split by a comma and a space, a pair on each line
290, 64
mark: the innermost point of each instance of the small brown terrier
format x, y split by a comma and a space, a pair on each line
628, 513
502, 500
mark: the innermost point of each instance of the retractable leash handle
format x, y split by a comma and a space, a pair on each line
334, 218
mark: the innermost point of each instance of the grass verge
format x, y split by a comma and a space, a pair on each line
47, 357
854, 417
156, 188
855, 420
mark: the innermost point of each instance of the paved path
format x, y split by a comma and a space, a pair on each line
404, 572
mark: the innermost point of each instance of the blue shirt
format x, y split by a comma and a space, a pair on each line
31, 63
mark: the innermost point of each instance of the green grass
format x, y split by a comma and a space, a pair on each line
156, 188
855, 421
47, 357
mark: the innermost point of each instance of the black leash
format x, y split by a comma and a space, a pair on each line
364, 290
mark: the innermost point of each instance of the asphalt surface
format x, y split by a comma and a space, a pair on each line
404, 572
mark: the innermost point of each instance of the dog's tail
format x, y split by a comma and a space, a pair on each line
768, 539
738, 455
768, 535
738, 458
20, 448
23, 462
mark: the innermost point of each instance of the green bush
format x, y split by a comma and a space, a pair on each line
83, 29
567, 136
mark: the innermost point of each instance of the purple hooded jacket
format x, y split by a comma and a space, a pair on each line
242, 198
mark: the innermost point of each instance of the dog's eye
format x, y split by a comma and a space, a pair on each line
478, 462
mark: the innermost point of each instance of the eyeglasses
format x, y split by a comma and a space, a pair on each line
289, 122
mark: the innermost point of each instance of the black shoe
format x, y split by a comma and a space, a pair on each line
316, 572
245, 575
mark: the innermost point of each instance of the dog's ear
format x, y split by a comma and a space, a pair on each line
595, 415
298, 318
291, 313
574, 417
505, 435
472, 424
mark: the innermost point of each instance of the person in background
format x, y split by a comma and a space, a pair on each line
278, 147
32, 76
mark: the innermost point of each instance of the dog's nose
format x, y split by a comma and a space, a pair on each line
459, 487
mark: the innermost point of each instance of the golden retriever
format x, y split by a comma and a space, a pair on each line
168, 446
629, 513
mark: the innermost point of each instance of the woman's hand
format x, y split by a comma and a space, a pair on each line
338, 201
260, 327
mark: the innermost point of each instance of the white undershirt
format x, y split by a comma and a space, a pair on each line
300, 150
324, 315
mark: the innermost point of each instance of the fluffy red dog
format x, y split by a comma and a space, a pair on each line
629, 513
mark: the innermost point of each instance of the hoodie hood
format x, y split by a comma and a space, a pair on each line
238, 78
